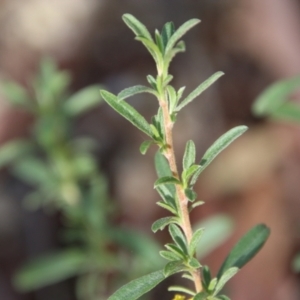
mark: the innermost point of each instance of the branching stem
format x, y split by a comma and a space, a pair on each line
182, 199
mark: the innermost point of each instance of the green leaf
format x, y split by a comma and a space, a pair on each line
218, 146
127, 111
167, 31
137, 89
50, 269
188, 173
194, 263
34, 171
201, 296
190, 194
173, 267
172, 96
180, 32
206, 276
159, 41
166, 180
161, 165
169, 255
274, 96
168, 79
212, 284
153, 50
181, 289
136, 26
167, 207
177, 251
197, 203
200, 89
178, 237
138, 287
223, 297
151, 80
145, 146
14, 150
83, 100
195, 241
189, 156
218, 228
296, 263
162, 223
227, 275
166, 195
15, 94
246, 248
289, 112
180, 47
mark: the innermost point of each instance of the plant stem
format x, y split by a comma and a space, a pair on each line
182, 199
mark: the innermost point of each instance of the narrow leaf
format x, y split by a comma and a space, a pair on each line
145, 146
218, 228
274, 96
169, 255
189, 156
162, 223
151, 80
137, 89
180, 32
227, 275
172, 268
223, 297
289, 112
161, 165
190, 194
152, 49
246, 248
218, 146
296, 263
15, 94
212, 284
167, 207
138, 287
181, 289
178, 237
136, 26
195, 240
166, 195
206, 276
172, 96
166, 180
194, 263
13, 150
167, 32
176, 250
127, 111
188, 173
83, 100
49, 269
201, 296
200, 89
194, 205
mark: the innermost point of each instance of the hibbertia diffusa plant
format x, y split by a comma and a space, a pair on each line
176, 190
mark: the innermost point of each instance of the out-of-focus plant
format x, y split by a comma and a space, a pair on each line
176, 188
274, 103
64, 176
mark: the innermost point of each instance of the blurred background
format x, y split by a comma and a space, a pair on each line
256, 180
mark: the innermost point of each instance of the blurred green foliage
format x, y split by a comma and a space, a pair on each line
274, 103
64, 176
